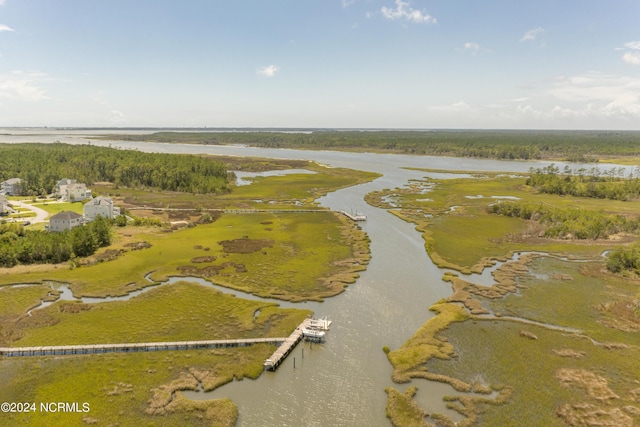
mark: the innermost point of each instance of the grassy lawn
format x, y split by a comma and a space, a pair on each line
57, 207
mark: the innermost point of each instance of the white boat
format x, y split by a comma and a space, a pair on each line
322, 324
313, 333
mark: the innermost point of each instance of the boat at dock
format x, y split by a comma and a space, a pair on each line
354, 216
316, 329
313, 334
322, 324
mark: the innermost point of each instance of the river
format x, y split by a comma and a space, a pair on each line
342, 382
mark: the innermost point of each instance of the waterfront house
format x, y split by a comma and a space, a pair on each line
12, 187
65, 220
100, 206
74, 192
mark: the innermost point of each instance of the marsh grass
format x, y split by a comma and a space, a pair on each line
309, 249
402, 410
120, 387
271, 192
500, 352
17, 301
313, 256
578, 296
467, 238
426, 343
497, 352
528, 364
179, 312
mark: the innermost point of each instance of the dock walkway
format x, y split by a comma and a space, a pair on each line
285, 346
134, 347
272, 363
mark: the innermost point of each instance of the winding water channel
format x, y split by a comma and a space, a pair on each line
342, 381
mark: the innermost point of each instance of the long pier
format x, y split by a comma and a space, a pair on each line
134, 347
272, 363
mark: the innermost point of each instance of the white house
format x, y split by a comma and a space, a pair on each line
12, 187
74, 192
65, 220
100, 206
63, 182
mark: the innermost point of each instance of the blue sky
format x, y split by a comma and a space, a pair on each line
543, 64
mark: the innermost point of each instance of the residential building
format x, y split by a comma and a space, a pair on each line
65, 220
74, 192
100, 206
12, 187
61, 183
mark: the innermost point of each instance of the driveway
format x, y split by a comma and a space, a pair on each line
41, 214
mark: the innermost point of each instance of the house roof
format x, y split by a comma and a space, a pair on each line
66, 216
101, 201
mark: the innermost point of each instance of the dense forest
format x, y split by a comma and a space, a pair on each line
592, 182
21, 246
579, 146
40, 166
568, 223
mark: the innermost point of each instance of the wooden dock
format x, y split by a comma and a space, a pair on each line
134, 347
285, 346
354, 217
272, 363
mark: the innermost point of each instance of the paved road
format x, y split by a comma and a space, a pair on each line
41, 214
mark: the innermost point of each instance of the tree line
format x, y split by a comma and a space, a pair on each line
577, 146
609, 184
567, 223
21, 246
41, 166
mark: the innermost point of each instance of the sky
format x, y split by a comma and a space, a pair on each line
418, 64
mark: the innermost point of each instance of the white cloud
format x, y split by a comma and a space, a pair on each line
452, 108
632, 58
269, 71
2, 2
117, 117
472, 47
595, 87
633, 45
5, 28
404, 11
599, 95
532, 34
22, 86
